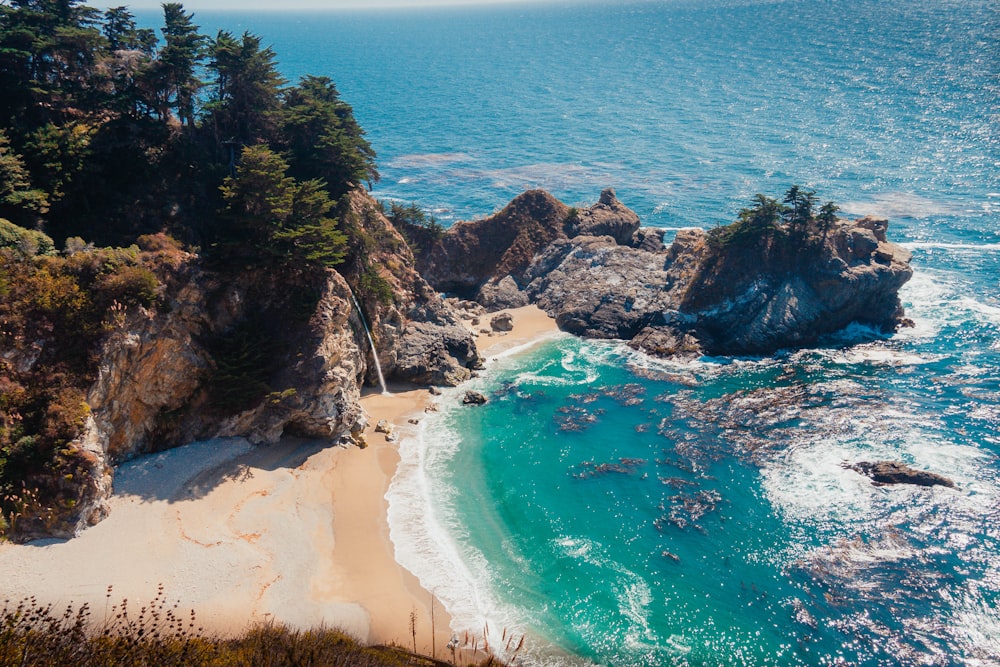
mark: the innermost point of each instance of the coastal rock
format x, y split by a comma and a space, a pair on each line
608, 217
474, 398
487, 260
649, 239
503, 293
502, 322
597, 288
895, 472
163, 376
418, 336
474, 257
704, 296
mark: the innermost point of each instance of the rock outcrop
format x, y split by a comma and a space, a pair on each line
258, 354
895, 472
418, 337
487, 260
608, 217
732, 291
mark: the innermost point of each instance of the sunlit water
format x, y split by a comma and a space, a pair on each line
637, 512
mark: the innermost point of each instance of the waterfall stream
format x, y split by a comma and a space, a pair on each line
371, 341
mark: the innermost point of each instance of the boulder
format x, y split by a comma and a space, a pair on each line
896, 472
502, 322
474, 398
649, 239
608, 217
503, 293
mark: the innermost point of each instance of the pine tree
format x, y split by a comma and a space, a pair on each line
176, 64
246, 89
322, 137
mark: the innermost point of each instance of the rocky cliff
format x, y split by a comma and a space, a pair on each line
735, 290
487, 260
418, 337
257, 353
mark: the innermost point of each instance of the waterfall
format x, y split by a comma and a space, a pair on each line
371, 341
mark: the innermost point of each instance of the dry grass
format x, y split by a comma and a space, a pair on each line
159, 634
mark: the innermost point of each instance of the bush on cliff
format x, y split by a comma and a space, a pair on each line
54, 312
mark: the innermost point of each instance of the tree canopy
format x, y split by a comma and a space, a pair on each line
109, 131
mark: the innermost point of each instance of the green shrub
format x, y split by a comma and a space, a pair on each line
374, 285
27, 242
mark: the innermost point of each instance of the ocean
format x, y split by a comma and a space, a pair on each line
623, 510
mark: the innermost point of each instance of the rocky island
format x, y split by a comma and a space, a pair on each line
752, 287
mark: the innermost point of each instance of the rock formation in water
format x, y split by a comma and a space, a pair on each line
894, 472
735, 290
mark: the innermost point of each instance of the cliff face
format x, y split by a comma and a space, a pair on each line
718, 293
418, 337
487, 260
256, 354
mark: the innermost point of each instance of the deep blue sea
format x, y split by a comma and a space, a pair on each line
629, 511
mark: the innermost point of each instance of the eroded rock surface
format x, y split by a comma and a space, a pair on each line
729, 292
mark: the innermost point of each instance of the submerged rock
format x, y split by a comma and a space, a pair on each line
895, 472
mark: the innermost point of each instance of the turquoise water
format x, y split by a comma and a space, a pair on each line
635, 512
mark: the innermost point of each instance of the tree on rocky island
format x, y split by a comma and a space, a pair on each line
800, 205
792, 220
827, 216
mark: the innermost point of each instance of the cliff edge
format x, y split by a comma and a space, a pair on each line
214, 351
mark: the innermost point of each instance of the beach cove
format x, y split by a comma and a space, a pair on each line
293, 533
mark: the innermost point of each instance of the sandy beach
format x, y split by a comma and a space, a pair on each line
294, 532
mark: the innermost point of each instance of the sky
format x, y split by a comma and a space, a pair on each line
284, 5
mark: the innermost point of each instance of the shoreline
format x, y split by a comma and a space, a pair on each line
295, 533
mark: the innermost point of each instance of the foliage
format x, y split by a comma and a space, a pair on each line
271, 216
246, 88
374, 285
243, 365
27, 242
33, 634
403, 216
53, 313
17, 197
420, 230
173, 72
322, 137
766, 219
104, 133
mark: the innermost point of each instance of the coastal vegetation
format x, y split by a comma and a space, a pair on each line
124, 150
36, 634
795, 219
